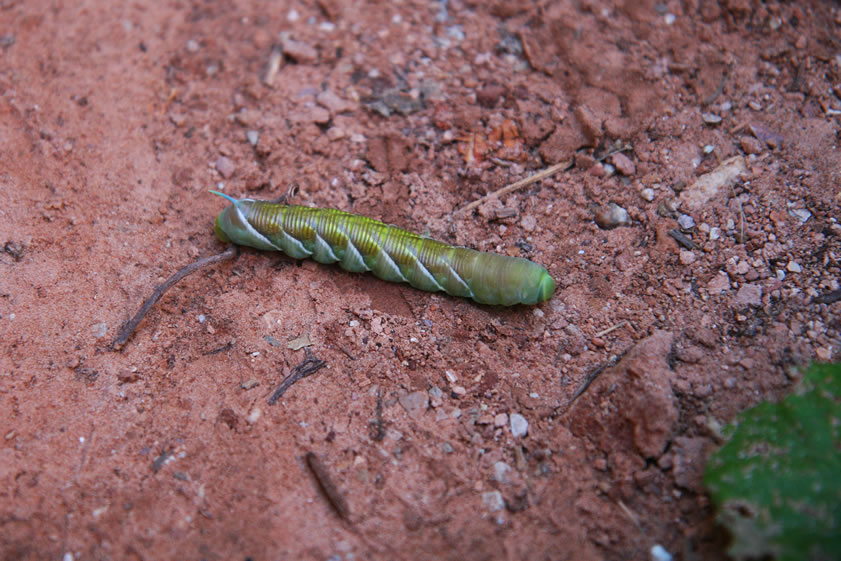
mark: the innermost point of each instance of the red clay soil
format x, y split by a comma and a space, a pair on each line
694, 241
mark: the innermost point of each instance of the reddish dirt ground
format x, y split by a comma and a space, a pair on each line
713, 122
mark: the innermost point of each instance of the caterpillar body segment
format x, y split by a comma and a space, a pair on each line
361, 244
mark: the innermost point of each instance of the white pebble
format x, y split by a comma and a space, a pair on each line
493, 500
793, 267
501, 471
519, 425
99, 329
253, 137
686, 222
659, 553
201, 318
647, 194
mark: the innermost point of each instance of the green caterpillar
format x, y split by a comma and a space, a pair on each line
360, 244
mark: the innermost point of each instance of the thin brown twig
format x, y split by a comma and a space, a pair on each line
551, 170
129, 327
309, 366
322, 477
590, 379
611, 329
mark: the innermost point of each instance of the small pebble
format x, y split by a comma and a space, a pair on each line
299, 51
225, 167
623, 164
801, 214
528, 223
685, 222
99, 330
748, 295
715, 233
793, 267
501, 420
253, 137
687, 257
647, 194
659, 553
414, 403
493, 501
501, 471
612, 217
711, 118
750, 145
519, 425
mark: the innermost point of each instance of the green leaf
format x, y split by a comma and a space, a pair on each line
777, 481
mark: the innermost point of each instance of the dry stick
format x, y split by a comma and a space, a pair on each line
551, 170
311, 365
622, 323
590, 379
129, 327
322, 476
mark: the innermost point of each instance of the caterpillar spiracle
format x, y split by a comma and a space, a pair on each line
360, 244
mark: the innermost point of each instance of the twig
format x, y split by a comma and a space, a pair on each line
682, 239
590, 379
311, 365
322, 476
611, 329
274, 65
630, 514
551, 170
129, 327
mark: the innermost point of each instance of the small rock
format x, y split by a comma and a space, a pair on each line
750, 145
711, 118
623, 164
708, 185
225, 167
685, 222
501, 420
414, 403
336, 133
793, 267
612, 217
493, 501
253, 137
528, 223
334, 103
178, 119
659, 553
99, 330
687, 257
647, 194
299, 51
801, 214
501, 471
748, 295
519, 425
489, 95
718, 284
436, 396
715, 233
